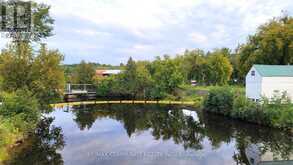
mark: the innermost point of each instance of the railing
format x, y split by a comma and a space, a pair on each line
79, 89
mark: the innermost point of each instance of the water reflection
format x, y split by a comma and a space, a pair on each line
41, 148
92, 130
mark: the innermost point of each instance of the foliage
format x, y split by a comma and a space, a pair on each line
41, 24
142, 80
22, 104
18, 114
48, 82
219, 100
272, 44
193, 65
275, 112
84, 73
212, 68
167, 74
41, 73
220, 69
28, 79
42, 146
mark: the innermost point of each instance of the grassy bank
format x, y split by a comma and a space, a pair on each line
197, 93
278, 112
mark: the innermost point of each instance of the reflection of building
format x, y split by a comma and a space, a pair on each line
264, 80
190, 113
253, 154
255, 157
106, 73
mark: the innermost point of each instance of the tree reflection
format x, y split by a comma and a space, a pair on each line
167, 122
41, 147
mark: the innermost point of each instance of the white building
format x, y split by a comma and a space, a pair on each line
106, 73
265, 80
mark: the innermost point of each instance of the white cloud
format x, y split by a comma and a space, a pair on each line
130, 14
198, 38
144, 28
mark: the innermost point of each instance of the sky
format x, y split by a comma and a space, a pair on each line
110, 31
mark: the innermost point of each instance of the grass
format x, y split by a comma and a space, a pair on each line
209, 87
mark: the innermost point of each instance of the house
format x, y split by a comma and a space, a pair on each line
106, 73
266, 80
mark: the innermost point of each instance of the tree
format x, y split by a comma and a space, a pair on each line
15, 67
192, 65
41, 24
40, 73
220, 69
136, 79
48, 75
272, 45
84, 73
167, 74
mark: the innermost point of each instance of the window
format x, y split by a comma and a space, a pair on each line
253, 73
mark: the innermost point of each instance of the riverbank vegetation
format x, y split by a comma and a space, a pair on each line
29, 82
30, 79
276, 112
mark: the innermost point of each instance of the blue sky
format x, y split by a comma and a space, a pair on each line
110, 31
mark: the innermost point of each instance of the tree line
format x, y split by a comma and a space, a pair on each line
271, 44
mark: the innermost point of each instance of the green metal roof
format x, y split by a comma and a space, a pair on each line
275, 70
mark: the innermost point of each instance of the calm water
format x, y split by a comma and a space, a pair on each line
152, 134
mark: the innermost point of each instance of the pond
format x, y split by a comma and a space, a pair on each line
149, 134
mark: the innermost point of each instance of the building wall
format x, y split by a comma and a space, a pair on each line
253, 84
281, 84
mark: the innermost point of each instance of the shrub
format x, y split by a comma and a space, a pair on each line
20, 105
275, 112
248, 110
18, 114
280, 115
219, 100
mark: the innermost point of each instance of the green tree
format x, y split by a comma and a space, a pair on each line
192, 65
167, 74
15, 67
40, 73
48, 75
220, 68
272, 44
136, 79
84, 73
41, 24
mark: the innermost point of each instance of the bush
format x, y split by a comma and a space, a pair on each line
18, 115
219, 100
20, 104
248, 110
276, 112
